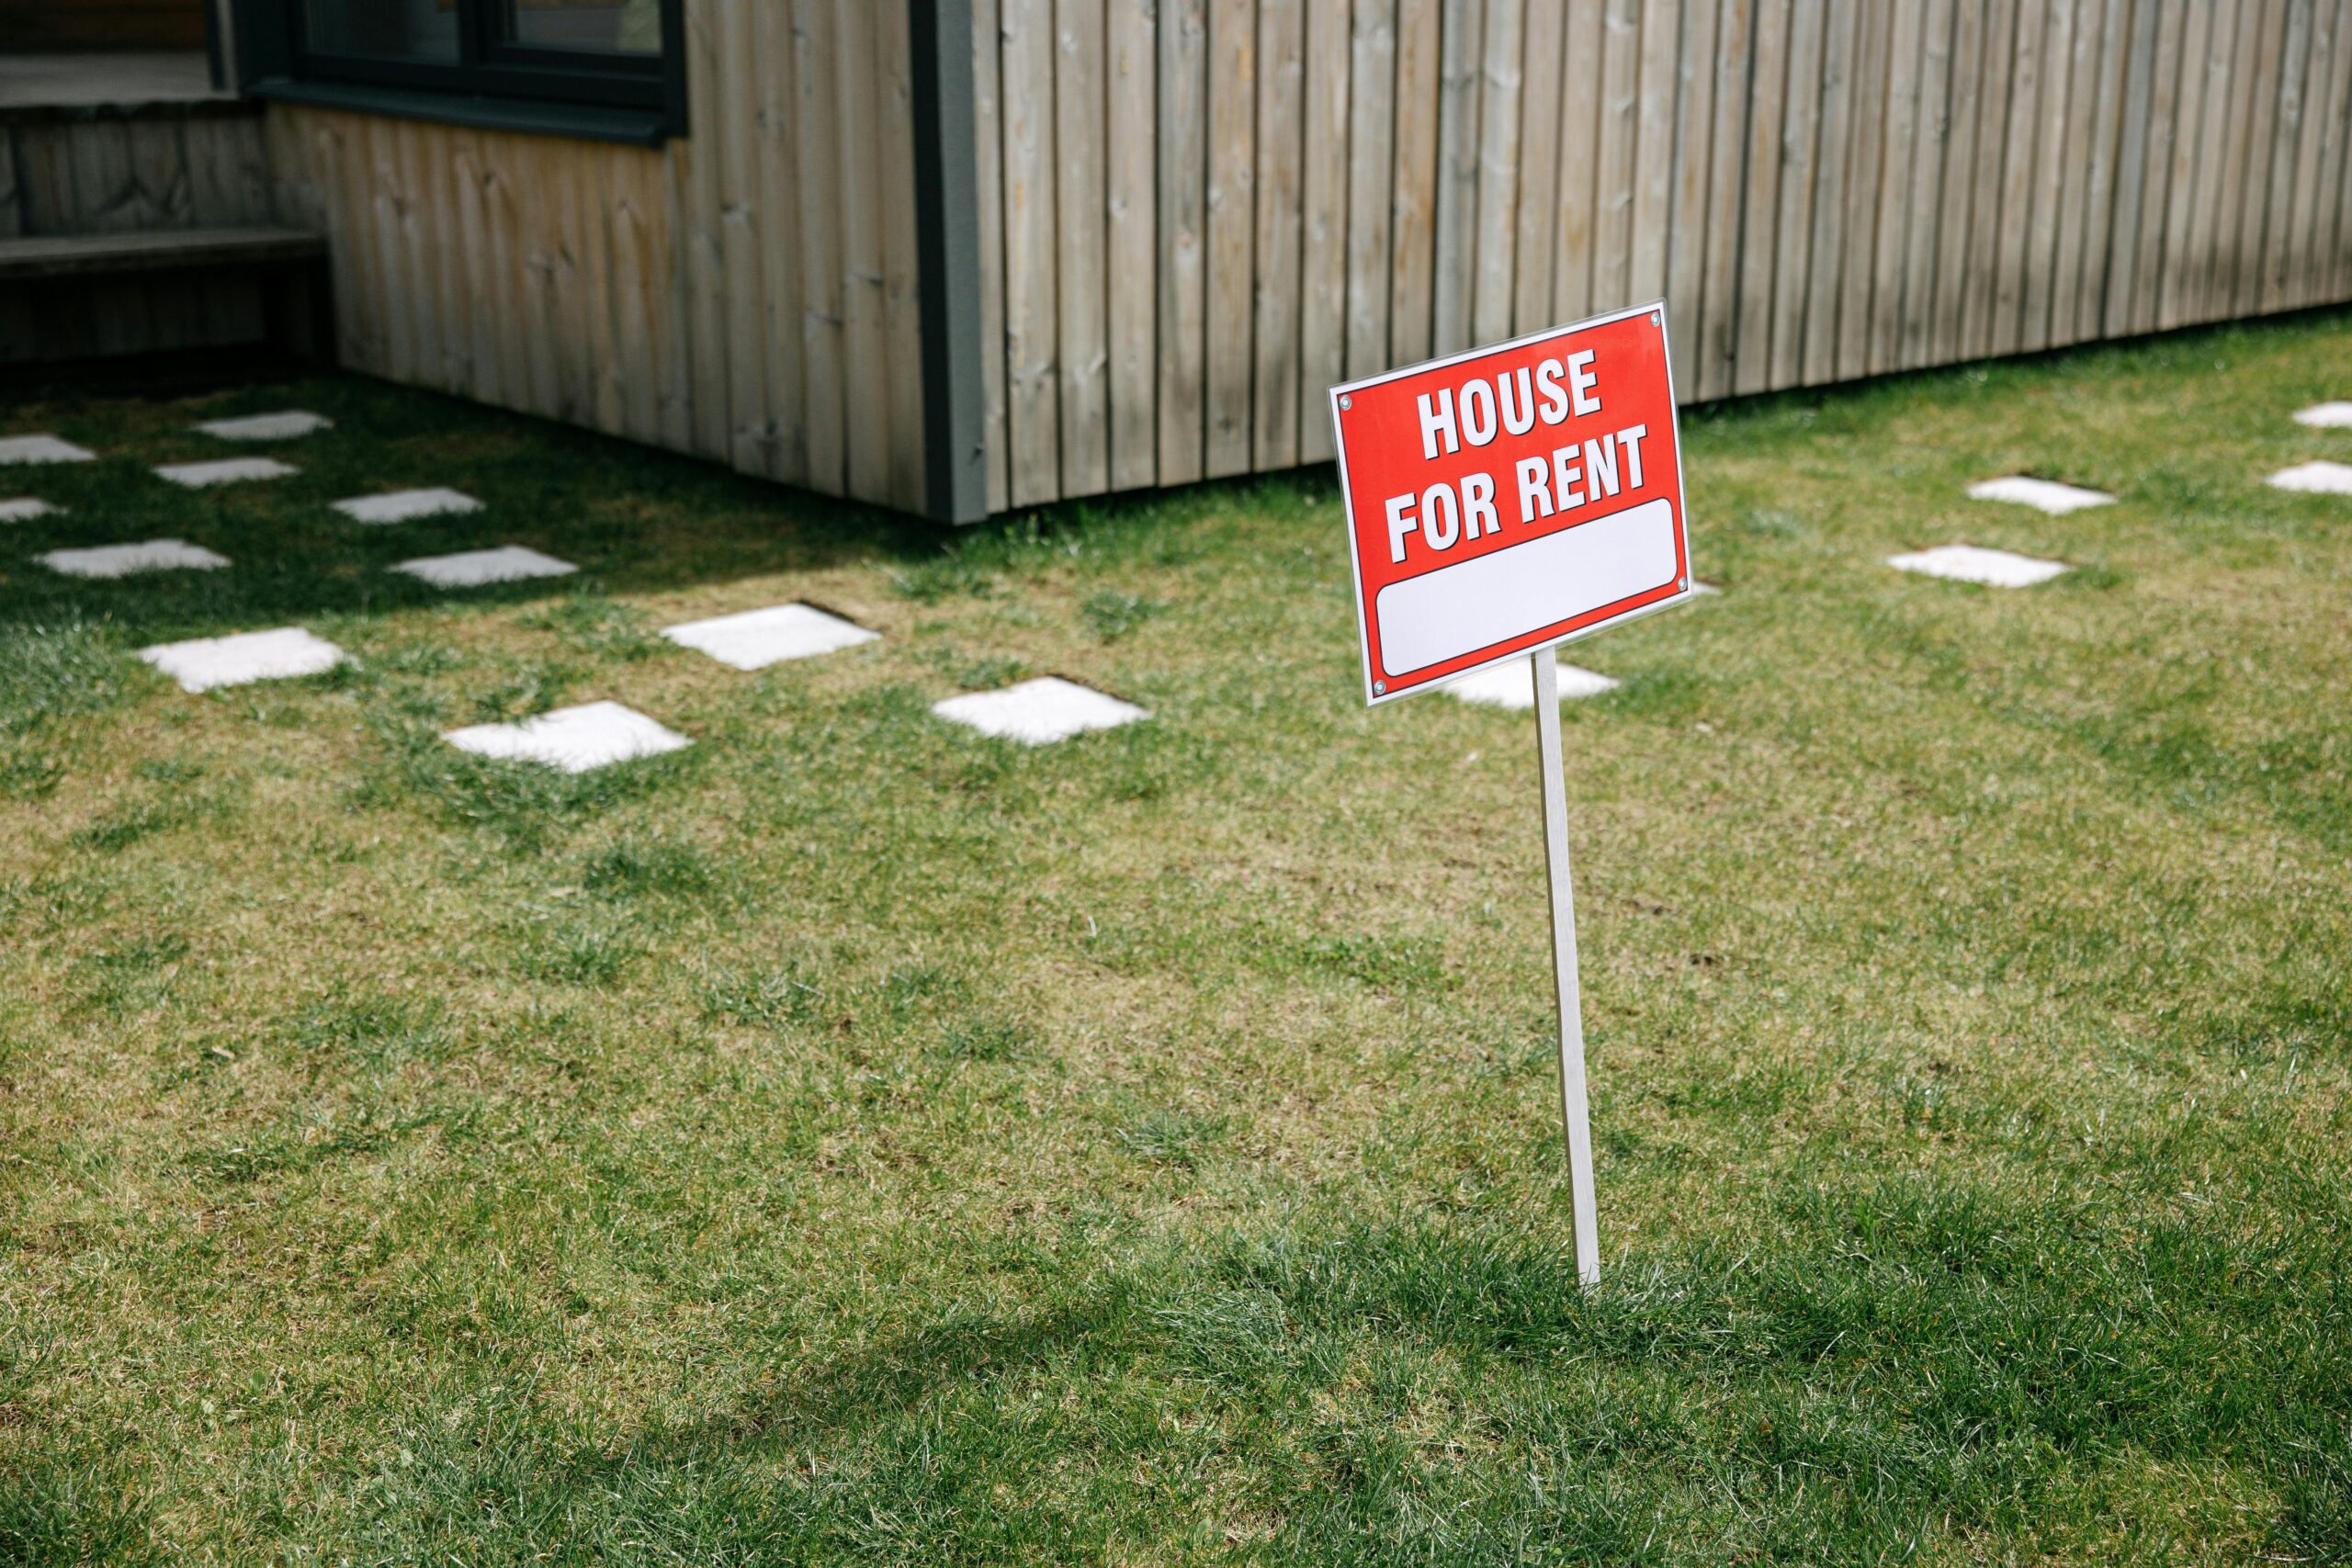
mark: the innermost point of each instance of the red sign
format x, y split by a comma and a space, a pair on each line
1512, 497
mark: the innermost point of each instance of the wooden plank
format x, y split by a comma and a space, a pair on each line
1654, 151
2079, 147
1694, 132
1281, 135
2178, 262
705, 246
1413, 225
1371, 68
824, 340
1183, 237
1133, 244
1081, 230
379, 139
1500, 121
1461, 43
2147, 272
2253, 173
1988, 205
778, 175
597, 183
1232, 223
635, 221
2285, 147
568, 308
1865, 178
1924, 221
866, 364
987, 130
1727, 178
1759, 244
1579, 158
901, 265
1958, 196
488, 367
2295, 285
1620, 134
1323, 233
445, 261
2050, 158
501, 223
1827, 257
2117, 29
1032, 322
1792, 231
1541, 98
1888, 271
2018, 182
739, 232
2320, 260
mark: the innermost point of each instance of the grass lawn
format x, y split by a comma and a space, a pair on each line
850, 1140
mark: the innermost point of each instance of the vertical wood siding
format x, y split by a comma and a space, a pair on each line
1211, 210
749, 292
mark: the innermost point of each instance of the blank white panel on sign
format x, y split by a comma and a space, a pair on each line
757, 638
575, 739
1511, 685
207, 662
1490, 598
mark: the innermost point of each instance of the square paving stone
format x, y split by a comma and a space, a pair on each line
121, 560
2321, 477
472, 569
2326, 416
206, 663
575, 739
1039, 712
283, 425
224, 470
403, 505
1972, 563
42, 449
2042, 495
25, 508
1511, 685
756, 638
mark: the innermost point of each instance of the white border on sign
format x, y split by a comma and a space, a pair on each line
1348, 503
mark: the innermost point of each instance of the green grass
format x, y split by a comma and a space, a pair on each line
852, 1141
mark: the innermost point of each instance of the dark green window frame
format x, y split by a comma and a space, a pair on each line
493, 83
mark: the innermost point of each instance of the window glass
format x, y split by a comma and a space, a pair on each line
399, 29
601, 27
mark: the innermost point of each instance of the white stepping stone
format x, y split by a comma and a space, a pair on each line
1039, 712
757, 638
121, 560
25, 508
1511, 685
284, 426
206, 663
224, 471
471, 568
42, 449
2321, 477
1972, 563
2326, 416
2042, 495
574, 739
401, 505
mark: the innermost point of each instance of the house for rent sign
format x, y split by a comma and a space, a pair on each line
1511, 498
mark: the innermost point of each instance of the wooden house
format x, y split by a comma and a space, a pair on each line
958, 256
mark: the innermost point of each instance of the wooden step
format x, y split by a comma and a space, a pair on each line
84, 256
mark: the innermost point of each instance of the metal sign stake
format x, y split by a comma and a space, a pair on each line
1574, 1111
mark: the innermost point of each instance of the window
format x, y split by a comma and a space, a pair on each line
607, 68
